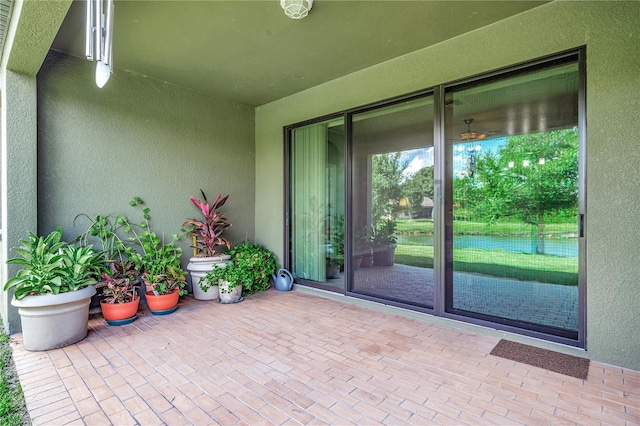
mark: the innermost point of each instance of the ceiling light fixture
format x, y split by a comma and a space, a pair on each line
296, 9
470, 135
99, 38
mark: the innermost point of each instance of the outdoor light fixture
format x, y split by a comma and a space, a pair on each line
296, 9
99, 37
470, 135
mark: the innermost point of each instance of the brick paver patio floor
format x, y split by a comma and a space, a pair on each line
295, 358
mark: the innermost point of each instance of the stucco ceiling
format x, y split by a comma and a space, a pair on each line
250, 52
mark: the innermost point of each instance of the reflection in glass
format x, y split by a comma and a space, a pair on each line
512, 148
392, 199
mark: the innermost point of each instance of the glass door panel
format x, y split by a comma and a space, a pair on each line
317, 203
512, 222
392, 202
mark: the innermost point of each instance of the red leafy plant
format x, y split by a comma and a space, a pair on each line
121, 285
207, 232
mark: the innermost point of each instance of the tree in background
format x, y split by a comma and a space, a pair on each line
532, 177
417, 187
387, 185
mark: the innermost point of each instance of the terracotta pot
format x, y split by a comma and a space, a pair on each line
119, 311
163, 302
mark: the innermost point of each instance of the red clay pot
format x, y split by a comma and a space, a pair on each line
119, 311
163, 302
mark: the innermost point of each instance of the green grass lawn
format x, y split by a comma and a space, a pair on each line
425, 226
497, 263
12, 407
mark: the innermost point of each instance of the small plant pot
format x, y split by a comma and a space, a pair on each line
118, 313
230, 296
163, 304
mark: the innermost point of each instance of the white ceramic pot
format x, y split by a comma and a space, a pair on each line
198, 268
52, 321
230, 296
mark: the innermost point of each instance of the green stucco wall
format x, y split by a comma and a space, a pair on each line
610, 32
25, 48
18, 176
97, 148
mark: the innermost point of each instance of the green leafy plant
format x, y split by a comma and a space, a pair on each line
335, 240
134, 249
384, 233
52, 266
81, 266
362, 241
173, 278
122, 276
104, 230
207, 233
251, 267
156, 259
232, 274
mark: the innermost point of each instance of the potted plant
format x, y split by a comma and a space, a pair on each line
249, 272
206, 234
384, 243
229, 279
164, 290
362, 255
53, 290
335, 246
158, 262
120, 302
103, 232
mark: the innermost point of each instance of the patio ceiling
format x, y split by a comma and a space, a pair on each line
250, 52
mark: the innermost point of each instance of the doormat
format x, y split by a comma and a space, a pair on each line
549, 360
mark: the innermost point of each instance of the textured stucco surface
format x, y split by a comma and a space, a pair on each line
97, 148
610, 32
19, 207
32, 28
39, 22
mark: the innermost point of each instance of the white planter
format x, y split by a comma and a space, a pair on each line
198, 267
233, 296
52, 321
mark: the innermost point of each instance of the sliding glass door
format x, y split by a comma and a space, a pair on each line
512, 155
317, 203
392, 202
466, 201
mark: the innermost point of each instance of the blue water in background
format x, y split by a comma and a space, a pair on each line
563, 247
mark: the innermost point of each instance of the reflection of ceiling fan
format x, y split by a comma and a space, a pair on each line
448, 103
471, 135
